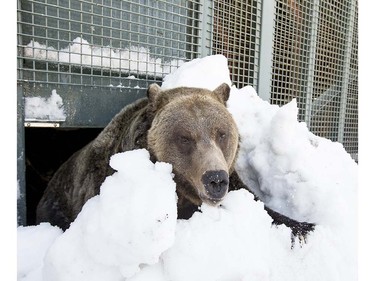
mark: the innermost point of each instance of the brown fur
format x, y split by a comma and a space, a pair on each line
186, 132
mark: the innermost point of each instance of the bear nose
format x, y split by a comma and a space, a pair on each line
216, 183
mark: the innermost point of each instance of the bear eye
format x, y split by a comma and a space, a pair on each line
222, 136
185, 144
184, 140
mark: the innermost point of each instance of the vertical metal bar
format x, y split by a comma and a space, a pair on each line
266, 49
311, 65
205, 28
21, 182
257, 44
346, 74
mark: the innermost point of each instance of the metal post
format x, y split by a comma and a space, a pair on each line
346, 74
21, 183
205, 28
311, 67
266, 49
257, 45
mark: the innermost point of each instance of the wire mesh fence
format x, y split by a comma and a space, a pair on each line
104, 43
315, 61
96, 46
236, 34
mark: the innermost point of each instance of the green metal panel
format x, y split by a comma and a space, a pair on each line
85, 106
21, 193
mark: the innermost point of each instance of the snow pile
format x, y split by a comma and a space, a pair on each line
219, 243
51, 109
80, 51
32, 245
293, 171
208, 72
237, 242
129, 225
130, 231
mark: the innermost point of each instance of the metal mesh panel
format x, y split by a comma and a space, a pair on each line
290, 57
315, 61
236, 34
101, 45
104, 43
350, 139
328, 73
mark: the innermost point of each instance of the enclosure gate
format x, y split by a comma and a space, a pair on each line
98, 55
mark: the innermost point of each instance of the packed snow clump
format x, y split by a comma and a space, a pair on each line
130, 231
45, 109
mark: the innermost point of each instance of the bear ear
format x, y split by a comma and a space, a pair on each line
153, 91
222, 92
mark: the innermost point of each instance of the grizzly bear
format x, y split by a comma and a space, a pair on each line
189, 128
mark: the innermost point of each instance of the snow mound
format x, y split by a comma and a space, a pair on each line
128, 225
51, 109
293, 171
218, 244
196, 72
237, 242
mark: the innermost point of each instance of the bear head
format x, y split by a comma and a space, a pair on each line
192, 130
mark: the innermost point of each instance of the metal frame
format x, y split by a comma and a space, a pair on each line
311, 68
297, 74
346, 76
236, 35
205, 29
266, 49
21, 184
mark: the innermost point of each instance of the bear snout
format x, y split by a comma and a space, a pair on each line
216, 184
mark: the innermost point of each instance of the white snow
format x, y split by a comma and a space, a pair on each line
45, 109
129, 225
292, 170
130, 231
208, 72
134, 59
32, 245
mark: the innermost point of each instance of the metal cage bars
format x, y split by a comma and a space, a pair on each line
78, 42
236, 34
314, 59
285, 49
